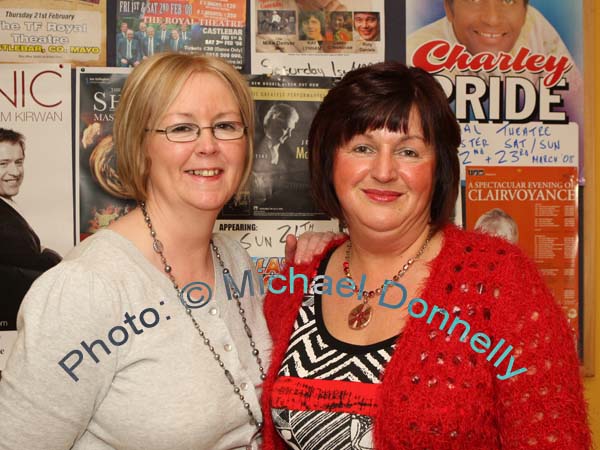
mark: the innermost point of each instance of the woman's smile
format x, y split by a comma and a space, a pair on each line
378, 195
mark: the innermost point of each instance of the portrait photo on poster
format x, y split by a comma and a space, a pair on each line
22, 256
527, 45
36, 196
279, 183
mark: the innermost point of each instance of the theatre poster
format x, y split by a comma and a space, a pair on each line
542, 205
215, 27
68, 31
35, 101
520, 110
538, 82
277, 200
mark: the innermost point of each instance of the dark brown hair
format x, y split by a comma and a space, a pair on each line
383, 96
14, 137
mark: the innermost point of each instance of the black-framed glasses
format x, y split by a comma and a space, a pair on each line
188, 132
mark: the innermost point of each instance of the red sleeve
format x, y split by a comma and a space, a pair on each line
542, 407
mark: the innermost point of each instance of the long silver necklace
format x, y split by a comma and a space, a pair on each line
158, 248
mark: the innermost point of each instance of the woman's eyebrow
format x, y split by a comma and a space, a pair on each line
191, 116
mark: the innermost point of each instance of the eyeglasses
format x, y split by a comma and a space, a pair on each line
188, 132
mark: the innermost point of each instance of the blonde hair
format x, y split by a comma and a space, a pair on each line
149, 91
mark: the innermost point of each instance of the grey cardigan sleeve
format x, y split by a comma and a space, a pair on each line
58, 371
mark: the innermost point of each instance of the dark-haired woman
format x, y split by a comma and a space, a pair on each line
465, 348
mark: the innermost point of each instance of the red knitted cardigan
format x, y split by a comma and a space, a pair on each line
437, 393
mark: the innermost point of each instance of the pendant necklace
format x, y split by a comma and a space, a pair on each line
361, 315
158, 248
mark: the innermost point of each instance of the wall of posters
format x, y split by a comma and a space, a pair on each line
72, 31
36, 200
536, 209
518, 95
302, 38
98, 187
521, 118
212, 28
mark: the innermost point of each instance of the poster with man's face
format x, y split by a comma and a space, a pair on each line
504, 65
277, 200
279, 182
316, 37
512, 71
36, 195
513, 74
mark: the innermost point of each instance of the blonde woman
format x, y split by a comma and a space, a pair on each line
116, 349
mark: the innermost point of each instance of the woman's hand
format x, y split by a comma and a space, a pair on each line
301, 250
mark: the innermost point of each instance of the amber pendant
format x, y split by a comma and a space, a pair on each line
360, 316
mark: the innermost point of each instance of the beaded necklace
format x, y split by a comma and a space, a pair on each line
360, 316
158, 248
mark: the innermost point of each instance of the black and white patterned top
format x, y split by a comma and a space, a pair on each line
325, 394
